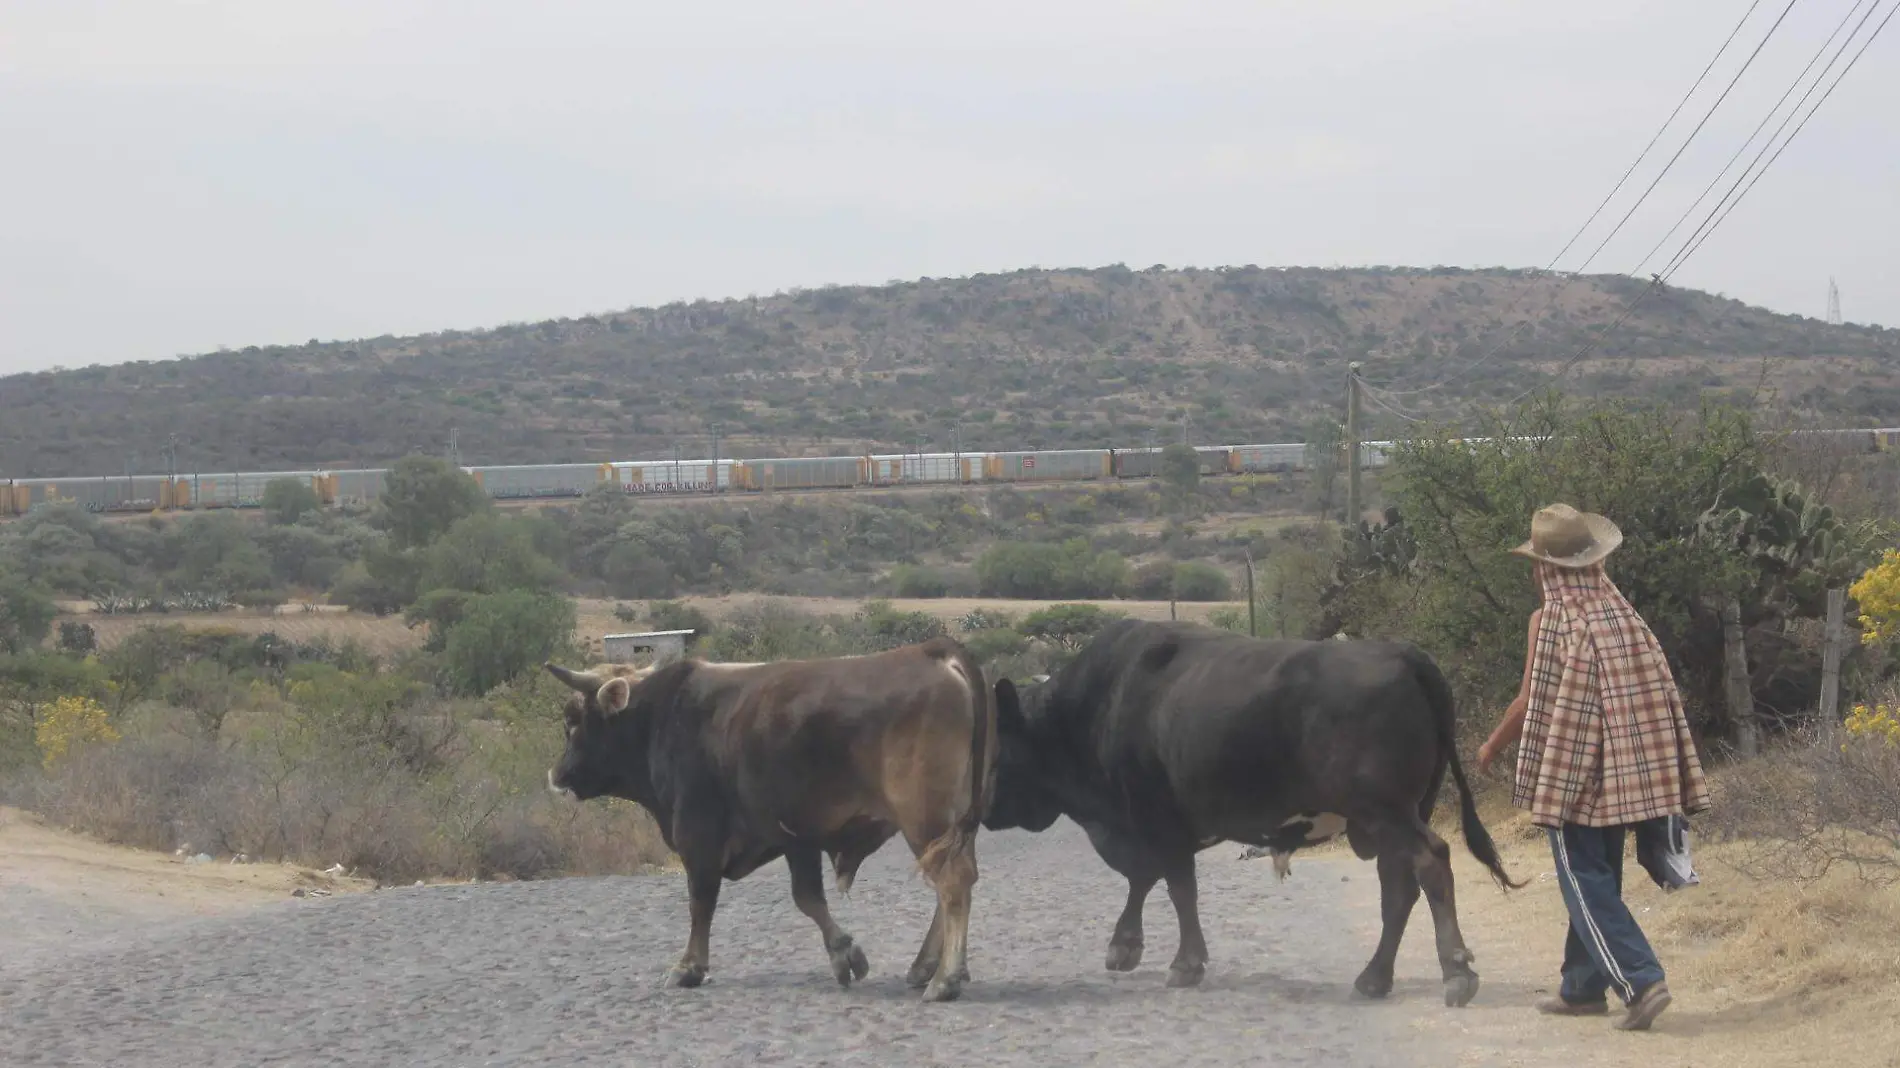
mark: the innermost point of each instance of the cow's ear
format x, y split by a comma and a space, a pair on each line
614, 695
1009, 707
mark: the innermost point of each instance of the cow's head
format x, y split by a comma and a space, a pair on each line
599, 737
1022, 797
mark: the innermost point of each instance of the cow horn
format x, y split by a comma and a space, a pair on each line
583, 681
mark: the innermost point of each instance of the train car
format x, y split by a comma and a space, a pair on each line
12, 498
946, 467
1146, 463
514, 482
106, 493
1134, 463
355, 487
1375, 453
805, 472
1262, 459
1214, 458
236, 489
1886, 438
675, 476
1047, 464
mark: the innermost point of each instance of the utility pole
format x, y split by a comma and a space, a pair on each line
714, 474
1833, 303
956, 447
1352, 445
455, 452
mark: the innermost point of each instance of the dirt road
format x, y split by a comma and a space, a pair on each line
567, 972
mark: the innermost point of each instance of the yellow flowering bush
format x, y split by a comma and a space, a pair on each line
1874, 723
1878, 594
67, 724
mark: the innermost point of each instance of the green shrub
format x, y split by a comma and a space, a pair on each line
1196, 581
502, 635
909, 580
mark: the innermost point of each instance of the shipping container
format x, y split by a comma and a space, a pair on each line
948, 467
1048, 464
530, 481
805, 472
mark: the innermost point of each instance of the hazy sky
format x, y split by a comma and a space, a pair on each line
181, 176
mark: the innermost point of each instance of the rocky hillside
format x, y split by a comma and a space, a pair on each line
1034, 357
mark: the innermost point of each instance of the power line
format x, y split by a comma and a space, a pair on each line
1709, 227
1751, 137
1712, 222
1706, 116
1372, 394
1513, 331
1644, 154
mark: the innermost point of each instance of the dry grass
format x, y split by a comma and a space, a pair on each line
596, 616
380, 636
387, 635
1764, 972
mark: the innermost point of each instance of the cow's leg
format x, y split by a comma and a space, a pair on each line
1431, 858
1124, 854
1124, 946
1398, 892
948, 860
808, 893
1190, 961
930, 954
702, 883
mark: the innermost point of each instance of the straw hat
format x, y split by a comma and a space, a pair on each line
1565, 537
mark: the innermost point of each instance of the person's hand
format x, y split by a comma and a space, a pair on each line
1487, 753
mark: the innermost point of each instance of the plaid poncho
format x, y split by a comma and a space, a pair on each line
1605, 740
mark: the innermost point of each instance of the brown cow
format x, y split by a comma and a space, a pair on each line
742, 763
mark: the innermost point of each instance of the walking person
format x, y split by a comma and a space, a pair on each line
1605, 751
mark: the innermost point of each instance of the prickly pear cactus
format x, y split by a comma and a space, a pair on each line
1800, 549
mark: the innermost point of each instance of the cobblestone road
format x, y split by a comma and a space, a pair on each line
567, 972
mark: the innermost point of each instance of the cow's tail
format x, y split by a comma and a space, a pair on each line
956, 841
1444, 712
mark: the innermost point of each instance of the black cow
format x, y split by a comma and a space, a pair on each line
740, 764
1162, 739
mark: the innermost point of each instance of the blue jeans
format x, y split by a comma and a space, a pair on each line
1605, 948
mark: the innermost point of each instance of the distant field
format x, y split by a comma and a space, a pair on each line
380, 636
389, 635
597, 616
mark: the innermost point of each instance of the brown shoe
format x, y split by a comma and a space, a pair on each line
1557, 1006
1644, 1010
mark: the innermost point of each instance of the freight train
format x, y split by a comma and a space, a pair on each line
359, 487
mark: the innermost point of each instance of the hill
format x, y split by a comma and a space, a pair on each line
1042, 358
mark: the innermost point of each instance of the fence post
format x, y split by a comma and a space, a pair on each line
1831, 657
1252, 630
1741, 701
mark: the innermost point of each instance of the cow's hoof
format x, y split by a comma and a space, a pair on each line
1185, 975
941, 989
686, 976
848, 962
1123, 956
1372, 985
1460, 989
920, 974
